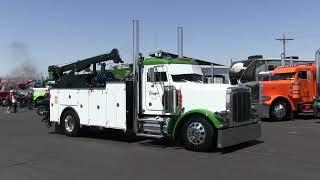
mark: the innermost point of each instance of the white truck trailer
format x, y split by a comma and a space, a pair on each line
165, 98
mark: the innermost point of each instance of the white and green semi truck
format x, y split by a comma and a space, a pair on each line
163, 97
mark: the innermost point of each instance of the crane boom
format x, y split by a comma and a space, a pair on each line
56, 72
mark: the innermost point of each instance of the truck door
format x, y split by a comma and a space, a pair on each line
154, 90
306, 85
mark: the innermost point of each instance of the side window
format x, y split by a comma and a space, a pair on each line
309, 74
302, 75
159, 77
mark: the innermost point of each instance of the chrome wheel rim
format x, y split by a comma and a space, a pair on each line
196, 133
279, 111
69, 123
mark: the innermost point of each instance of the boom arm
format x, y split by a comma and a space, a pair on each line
57, 71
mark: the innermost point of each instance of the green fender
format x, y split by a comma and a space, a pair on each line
38, 94
179, 119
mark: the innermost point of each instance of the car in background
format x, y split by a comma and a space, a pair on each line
39, 95
3, 98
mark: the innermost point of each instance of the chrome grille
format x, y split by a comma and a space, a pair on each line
241, 105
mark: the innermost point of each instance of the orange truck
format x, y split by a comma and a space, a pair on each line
289, 90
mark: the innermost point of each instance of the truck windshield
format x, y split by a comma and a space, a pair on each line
283, 76
187, 77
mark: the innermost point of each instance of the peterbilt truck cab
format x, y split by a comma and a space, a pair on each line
290, 89
169, 99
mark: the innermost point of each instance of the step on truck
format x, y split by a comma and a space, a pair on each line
162, 97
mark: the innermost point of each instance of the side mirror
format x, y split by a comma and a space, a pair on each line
151, 74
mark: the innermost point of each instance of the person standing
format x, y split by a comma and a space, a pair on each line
30, 97
14, 101
8, 99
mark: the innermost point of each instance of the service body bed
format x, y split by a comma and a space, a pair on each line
103, 107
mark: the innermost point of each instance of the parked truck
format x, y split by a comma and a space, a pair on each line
289, 90
164, 98
39, 94
161, 97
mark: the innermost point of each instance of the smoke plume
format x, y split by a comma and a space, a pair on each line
23, 64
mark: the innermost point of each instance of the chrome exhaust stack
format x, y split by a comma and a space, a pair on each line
136, 74
180, 42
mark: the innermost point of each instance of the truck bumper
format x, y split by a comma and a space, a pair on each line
237, 135
261, 110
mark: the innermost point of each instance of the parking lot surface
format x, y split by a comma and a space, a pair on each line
287, 150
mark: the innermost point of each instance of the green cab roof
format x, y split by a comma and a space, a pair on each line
155, 61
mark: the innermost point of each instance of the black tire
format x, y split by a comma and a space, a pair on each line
284, 113
58, 128
71, 127
193, 137
41, 110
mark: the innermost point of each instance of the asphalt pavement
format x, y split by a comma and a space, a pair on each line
30, 151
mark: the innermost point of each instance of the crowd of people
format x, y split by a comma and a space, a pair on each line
16, 100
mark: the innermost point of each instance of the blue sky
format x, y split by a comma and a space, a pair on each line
59, 31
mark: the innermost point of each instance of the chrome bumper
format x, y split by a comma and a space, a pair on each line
237, 135
261, 110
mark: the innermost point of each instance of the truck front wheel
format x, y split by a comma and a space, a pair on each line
71, 123
280, 111
198, 134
